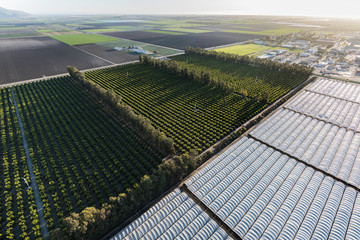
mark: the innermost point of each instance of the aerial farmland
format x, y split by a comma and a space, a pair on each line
176, 127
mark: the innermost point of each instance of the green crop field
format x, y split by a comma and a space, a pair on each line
194, 115
255, 80
81, 155
246, 49
75, 39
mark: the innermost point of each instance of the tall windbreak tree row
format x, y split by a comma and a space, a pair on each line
256, 78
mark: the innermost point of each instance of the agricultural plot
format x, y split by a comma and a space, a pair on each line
108, 54
49, 32
203, 40
194, 115
320, 127
246, 49
18, 216
136, 35
175, 216
28, 58
295, 176
101, 30
261, 193
16, 32
114, 29
254, 80
81, 155
166, 32
75, 39
116, 23
124, 43
253, 28
279, 31
187, 30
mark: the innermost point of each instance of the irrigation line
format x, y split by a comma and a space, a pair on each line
39, 205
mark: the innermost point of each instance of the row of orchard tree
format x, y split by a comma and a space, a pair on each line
290, 69
92, 222
280, 71
173, 67
157, 138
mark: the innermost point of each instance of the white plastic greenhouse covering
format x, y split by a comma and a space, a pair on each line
340, 112
174, 217
262, 193
260, 189
337, 89
318, 129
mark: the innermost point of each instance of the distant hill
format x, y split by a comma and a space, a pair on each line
6, 13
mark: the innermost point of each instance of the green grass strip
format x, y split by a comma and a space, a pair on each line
74, 39
245, 49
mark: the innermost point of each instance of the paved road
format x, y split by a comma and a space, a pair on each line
38, 202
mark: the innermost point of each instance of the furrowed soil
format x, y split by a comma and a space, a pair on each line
28, 58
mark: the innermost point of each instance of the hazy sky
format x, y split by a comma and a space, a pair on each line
343, 8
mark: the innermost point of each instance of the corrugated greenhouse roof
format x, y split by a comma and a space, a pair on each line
295, 176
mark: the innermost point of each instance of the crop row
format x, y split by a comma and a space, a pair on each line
194, 115
18, 216
255, 80
81, 153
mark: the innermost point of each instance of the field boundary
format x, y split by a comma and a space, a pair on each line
231, 44
73, 46
38, 201
142, 42
63, 74
84, 70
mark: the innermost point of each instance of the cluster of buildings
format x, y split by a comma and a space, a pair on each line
135, 49
337, 56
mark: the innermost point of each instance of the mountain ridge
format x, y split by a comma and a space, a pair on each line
8, 13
